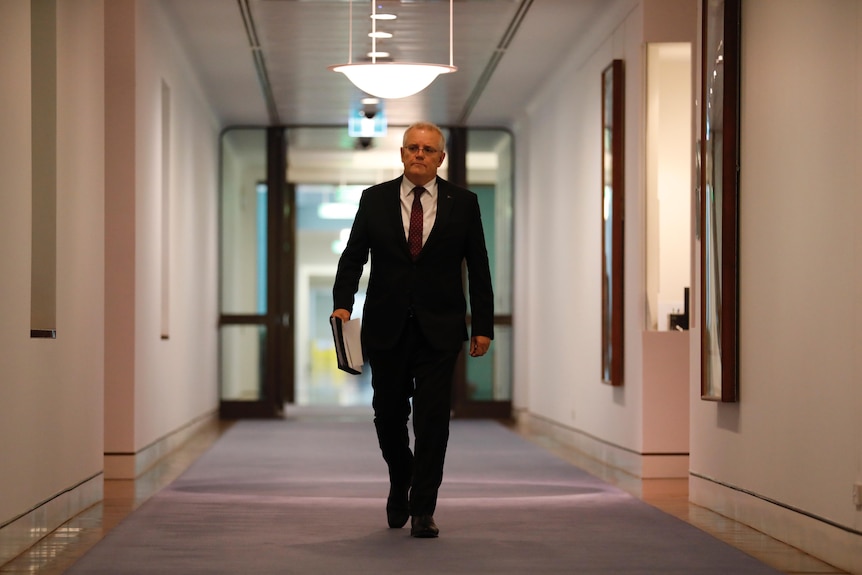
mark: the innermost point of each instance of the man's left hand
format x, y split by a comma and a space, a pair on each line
479, 345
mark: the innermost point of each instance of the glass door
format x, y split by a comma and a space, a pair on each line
256, 281
482, 161
283, 224
329, 168
325, 213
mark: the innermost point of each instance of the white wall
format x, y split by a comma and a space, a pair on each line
558, 227
56, 417
794, 437
177, 378
793, 440
108, 383
51, 392
642, 426
156, 386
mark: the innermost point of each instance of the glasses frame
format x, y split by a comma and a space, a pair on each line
415, 149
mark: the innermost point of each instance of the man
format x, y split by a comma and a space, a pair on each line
414, 320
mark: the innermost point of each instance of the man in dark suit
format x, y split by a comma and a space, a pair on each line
414, 320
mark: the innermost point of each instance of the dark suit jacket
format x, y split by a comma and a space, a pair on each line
432, 286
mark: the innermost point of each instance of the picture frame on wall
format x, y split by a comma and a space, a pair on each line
718, 199
613, 203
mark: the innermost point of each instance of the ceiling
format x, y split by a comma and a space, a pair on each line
264, 62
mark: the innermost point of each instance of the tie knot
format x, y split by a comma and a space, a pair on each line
417, 192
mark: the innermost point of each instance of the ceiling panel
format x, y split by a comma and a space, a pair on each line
504, 50
301, 39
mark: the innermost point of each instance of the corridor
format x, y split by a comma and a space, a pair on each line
305, 491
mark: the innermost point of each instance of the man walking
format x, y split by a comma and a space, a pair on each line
419, 230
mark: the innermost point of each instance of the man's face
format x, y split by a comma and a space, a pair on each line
421, 155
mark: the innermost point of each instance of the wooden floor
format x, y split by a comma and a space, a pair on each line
56, 552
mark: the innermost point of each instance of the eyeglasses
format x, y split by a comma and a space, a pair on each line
414, 149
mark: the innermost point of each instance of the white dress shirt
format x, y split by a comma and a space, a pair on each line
429, 206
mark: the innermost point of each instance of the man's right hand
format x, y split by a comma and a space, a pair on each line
341, 314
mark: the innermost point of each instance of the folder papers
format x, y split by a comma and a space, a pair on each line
348, 345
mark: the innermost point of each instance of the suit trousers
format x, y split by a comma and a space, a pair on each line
413, 369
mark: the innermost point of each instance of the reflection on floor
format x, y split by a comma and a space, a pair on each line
56, 552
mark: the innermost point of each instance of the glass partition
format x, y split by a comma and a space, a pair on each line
328, 169
243, 360
243, 222
244, 216
325, 170
490, 175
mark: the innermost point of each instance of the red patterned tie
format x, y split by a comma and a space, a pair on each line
414, 236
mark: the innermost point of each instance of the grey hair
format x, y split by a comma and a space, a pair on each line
425, 126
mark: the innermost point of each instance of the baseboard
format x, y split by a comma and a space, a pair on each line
829, 543
132, 465
642, 465
25, 531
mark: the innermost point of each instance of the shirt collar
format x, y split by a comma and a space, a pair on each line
407, 187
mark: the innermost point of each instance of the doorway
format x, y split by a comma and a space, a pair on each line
256, 271
289, 196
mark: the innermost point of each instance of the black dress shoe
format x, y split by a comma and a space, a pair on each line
423, 526
397, 518
397, 512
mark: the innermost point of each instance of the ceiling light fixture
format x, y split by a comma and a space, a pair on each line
390, 80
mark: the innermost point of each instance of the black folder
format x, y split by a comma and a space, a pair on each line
348, 345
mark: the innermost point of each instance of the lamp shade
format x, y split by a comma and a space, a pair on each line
392, 79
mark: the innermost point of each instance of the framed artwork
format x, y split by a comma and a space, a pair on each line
718, 199
613, 196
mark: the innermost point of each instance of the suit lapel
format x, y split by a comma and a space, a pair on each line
445, 201
394, 215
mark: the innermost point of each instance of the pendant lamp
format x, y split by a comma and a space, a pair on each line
390, 80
